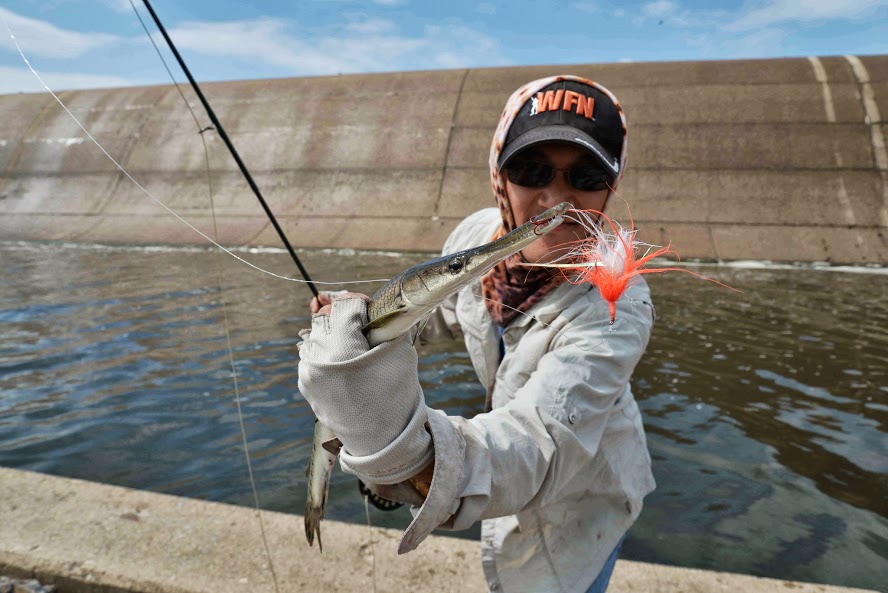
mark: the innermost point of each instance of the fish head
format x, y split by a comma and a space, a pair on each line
411, 295
432, 282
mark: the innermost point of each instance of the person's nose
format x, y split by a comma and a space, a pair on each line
558, 190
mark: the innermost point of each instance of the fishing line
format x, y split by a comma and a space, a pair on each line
157, 200
219, 274
231, 149
201, 130
243, 428
372, 544
558, 332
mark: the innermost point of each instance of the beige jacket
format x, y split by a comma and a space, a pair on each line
558, 469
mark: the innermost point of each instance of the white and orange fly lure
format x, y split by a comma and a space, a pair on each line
610, 257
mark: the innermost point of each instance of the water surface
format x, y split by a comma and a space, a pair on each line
766, 412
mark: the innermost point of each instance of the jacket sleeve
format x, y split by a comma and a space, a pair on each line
522, 454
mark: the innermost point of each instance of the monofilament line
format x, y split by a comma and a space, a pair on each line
561, 332
226, 323
370, 543
170, 72
244, 440
149, 194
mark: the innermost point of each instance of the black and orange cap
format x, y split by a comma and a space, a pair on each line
572, 112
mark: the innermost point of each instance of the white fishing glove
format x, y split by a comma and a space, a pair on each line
370, 399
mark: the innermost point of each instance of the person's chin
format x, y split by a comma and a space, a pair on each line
568, 231
549, 248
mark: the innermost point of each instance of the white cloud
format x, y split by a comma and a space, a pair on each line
121, 6
458, 46
756, 44
676, 16
718, 32
449, 59
486, 8
619, 13
658, 9
390, 2
359, 46
781, 11
371, 52
42, 38
589, 7
15, 80
371, 27
265, 40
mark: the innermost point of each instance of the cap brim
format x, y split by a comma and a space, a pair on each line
565, 134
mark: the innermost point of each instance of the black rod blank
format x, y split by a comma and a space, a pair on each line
231, 149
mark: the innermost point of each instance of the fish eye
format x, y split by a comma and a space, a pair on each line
455, 265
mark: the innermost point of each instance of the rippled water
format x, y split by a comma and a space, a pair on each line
766, 412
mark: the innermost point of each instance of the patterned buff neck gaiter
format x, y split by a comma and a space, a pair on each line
510, 289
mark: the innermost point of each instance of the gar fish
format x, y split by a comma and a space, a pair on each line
320, 466
404, 301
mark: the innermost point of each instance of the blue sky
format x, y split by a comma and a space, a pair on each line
99, 43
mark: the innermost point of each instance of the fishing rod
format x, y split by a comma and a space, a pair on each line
375, 500
231, 149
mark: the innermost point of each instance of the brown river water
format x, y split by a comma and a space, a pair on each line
766, 411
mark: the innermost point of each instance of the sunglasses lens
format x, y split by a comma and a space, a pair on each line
537, 174
589, 178
530, 173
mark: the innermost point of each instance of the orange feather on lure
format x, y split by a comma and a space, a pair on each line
609, 259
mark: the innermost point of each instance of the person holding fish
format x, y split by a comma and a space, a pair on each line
557, 466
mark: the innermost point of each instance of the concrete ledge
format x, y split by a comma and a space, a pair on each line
92, 537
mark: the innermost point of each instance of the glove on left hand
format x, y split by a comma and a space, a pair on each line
369, 398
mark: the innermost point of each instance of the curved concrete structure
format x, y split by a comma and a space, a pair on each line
764, 159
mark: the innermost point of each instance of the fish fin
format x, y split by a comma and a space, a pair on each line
332, 446
315, 510
421, 326
381, 320
313, 518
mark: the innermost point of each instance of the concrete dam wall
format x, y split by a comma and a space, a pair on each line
763, 159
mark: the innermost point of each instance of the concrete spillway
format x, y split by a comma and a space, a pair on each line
765, 159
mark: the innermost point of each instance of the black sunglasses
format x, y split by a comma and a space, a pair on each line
528, 173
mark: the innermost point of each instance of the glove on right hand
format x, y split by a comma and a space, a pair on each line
370, 398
